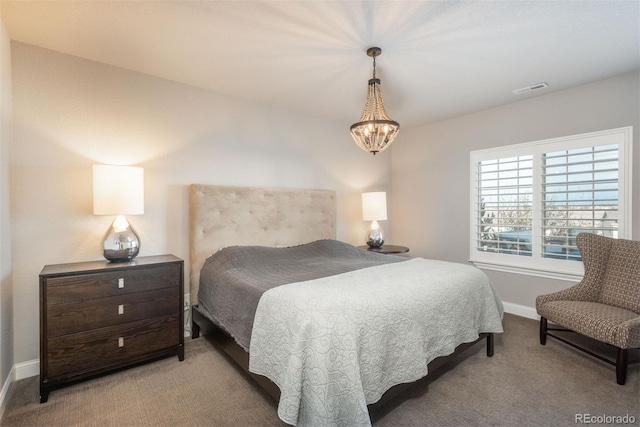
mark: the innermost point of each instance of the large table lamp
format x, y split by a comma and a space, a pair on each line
374, 209
119, 190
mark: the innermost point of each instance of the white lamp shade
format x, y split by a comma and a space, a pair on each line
118, 190
374, 206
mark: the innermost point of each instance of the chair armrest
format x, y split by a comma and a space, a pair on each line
629, 335
577, 292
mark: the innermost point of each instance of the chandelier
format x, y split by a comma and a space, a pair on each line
375, 131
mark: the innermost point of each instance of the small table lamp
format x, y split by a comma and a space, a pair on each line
119, 190
374, 208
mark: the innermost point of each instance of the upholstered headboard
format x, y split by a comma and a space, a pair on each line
227, 216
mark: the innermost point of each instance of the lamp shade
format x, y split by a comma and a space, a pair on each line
118, 190
374, 206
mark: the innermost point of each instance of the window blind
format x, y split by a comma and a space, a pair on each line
504, 205
579, 194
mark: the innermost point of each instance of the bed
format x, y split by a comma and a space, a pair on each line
333, 341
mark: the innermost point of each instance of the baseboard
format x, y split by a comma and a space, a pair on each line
521, 310
19, 371
27, 369
7, 388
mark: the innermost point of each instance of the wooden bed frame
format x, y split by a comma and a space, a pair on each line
227, 216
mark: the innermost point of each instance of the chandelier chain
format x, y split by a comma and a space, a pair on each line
374, 66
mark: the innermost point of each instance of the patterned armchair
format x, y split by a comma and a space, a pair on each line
605, 305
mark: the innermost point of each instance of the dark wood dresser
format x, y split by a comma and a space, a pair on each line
99, 316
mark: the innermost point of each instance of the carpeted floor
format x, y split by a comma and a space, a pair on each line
524, 384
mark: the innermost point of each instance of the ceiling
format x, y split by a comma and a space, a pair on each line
439, 59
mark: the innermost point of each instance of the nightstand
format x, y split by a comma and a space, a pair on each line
386, 249
97, 317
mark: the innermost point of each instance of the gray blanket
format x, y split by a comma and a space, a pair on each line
233, 279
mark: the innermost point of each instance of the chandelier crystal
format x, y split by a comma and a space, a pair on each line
375, 131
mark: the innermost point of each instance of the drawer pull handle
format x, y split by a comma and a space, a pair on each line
121, 309
121, 342
121, 283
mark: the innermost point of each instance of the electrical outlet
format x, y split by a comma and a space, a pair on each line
187, 303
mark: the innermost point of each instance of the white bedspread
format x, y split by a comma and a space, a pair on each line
334, 345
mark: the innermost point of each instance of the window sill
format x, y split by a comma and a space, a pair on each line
529, 271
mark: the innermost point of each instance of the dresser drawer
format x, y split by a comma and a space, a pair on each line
106, 347
84, 315
104, 284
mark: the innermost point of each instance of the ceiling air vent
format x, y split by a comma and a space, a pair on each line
530, 88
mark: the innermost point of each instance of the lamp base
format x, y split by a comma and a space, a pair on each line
121, 243
375, 238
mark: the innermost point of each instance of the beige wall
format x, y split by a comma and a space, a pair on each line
430, 168
70, 113
6, 285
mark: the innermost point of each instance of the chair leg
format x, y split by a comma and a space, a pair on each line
543, 330
490, 345
621, 366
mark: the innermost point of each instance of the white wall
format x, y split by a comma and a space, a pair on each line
6, 285
430, 168
70, 113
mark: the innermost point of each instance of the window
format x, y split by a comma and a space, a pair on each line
529, 201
